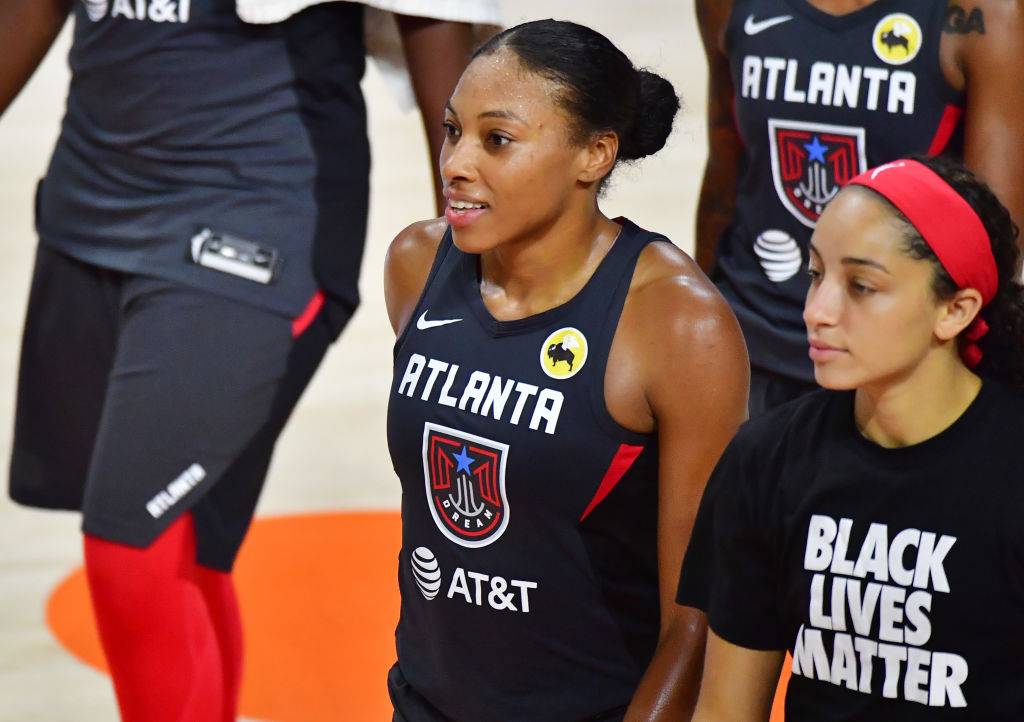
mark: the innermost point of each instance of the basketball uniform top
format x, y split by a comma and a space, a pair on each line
819, 98
528, 568
182, 117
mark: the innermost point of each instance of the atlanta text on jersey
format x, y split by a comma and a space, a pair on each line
481, 393
183, 484
853, 86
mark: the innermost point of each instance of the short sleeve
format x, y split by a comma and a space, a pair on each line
730, 569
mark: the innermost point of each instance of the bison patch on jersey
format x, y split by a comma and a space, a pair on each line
465, 480
811, 162
897, 39
563, 353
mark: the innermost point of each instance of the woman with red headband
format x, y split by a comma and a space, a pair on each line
873, 528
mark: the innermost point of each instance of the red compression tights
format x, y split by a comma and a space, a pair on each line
169, 626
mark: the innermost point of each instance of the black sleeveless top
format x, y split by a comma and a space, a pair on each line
182, 117
819, 98
528, 568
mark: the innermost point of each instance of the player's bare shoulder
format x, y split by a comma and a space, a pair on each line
406, 267
675, 324
670, 297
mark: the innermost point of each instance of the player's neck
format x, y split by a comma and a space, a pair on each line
915, 408
839, 7
529, 276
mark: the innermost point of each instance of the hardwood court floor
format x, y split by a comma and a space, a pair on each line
333, 457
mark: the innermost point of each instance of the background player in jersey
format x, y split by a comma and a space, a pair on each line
872, 528
549, 453
804, 94
201, 228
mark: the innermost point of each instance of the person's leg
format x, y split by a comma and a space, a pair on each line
192, 391
156, 628
218, 591
67, 350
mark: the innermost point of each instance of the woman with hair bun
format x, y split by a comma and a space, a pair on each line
550, 458
873, 528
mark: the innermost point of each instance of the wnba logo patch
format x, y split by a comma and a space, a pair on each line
897, 39
465, 480
811, 162
563, 354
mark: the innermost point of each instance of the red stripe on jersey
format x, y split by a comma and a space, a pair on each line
624, 459
950, 117
301, 322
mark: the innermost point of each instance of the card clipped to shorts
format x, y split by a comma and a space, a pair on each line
236, 256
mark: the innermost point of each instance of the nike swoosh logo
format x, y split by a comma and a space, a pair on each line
753, 27
423, 324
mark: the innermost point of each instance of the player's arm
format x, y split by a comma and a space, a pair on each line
687, 332
739, 683
992, 55
27, 30
436, 52
406, 267
725, 149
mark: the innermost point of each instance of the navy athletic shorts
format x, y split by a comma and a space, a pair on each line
140, 399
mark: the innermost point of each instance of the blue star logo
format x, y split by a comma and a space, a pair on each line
816, 150
464, 460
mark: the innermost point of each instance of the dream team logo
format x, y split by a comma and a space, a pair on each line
465, 480
563, 354
811, 162
897, 39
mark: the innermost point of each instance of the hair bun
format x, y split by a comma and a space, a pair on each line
655, 112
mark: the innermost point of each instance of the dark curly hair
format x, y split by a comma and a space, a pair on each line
1003, 345
601, 89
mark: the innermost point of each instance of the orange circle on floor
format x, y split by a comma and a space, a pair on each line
319, 602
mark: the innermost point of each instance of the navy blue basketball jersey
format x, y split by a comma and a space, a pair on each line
183, 122
819, 98
528, 567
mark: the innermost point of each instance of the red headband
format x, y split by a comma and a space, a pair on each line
948, 225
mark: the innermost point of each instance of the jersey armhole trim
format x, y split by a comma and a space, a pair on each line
598, 403
951, 116
620, 464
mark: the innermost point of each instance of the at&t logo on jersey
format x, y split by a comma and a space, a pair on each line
157, 11
563, 353
778, 254
465, 480
897, 39
501, 594
426, 572
811, 162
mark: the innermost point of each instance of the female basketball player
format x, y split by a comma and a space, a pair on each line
804, 94
563, 386
873, 528
201, 227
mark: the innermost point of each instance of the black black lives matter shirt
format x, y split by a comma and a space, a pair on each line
894, 576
